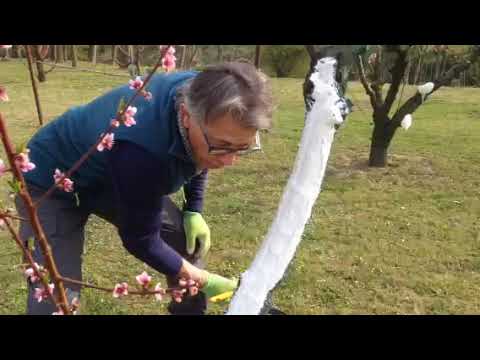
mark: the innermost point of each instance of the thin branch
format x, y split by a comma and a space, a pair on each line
364, 82
110, 290
28, 256
34, 84
311, 51
398, 72
34, 219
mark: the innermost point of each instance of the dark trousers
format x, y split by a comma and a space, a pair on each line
63, 223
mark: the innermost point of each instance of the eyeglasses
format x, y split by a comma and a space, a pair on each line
219, 151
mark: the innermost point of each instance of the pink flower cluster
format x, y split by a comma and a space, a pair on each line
107, 142
169, 59
137, 84
31, 275
120, 290
42, 294
129, 119
23, 161
65, 184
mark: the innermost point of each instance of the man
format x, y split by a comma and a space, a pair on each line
195, 121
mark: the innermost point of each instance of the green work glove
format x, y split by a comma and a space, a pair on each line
196, 229
217, 285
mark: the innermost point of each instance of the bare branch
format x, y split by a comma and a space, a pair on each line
398, 72
311, 51
363, 80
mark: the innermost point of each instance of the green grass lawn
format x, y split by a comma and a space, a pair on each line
399, 240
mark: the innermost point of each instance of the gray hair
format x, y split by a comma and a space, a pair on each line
234, 88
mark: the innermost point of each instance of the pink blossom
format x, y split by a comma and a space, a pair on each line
23, 161
107, 142
5, 46
66, 184
136, 84
160, 292
120, 290
3, 94
3, 168
144, 279
2, 223
177, 295
168, 61
147, 95
115, 123
41, 294
129, 114
30, 273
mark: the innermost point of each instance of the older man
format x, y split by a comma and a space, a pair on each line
195, 121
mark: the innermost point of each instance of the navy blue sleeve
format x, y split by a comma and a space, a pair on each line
135, 175
194, 191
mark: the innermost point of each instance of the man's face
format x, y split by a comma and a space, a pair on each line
215, 145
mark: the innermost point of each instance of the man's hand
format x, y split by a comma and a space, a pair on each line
196, 229
217, 285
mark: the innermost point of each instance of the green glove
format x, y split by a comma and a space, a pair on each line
196, 229
217, 285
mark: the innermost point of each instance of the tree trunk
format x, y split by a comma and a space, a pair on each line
38, 61
114, 53
60, 53
257, 56
438, 65
219, 53
15, 51
381, 138
418, 70
92, 54
52, 51
74, 55
184, 53
406, 77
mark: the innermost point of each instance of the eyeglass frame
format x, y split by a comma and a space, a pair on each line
219, 151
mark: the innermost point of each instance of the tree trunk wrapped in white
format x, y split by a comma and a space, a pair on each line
299, 196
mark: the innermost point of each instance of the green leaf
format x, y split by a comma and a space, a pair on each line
15, 185
31, 244
121, 105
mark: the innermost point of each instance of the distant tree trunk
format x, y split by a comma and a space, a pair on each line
182, 61
257, 56
418, 70
39, 58
74, 55
114, 54
52, 52
16, 51
219, 53
407, 73
60, 54
92, 54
